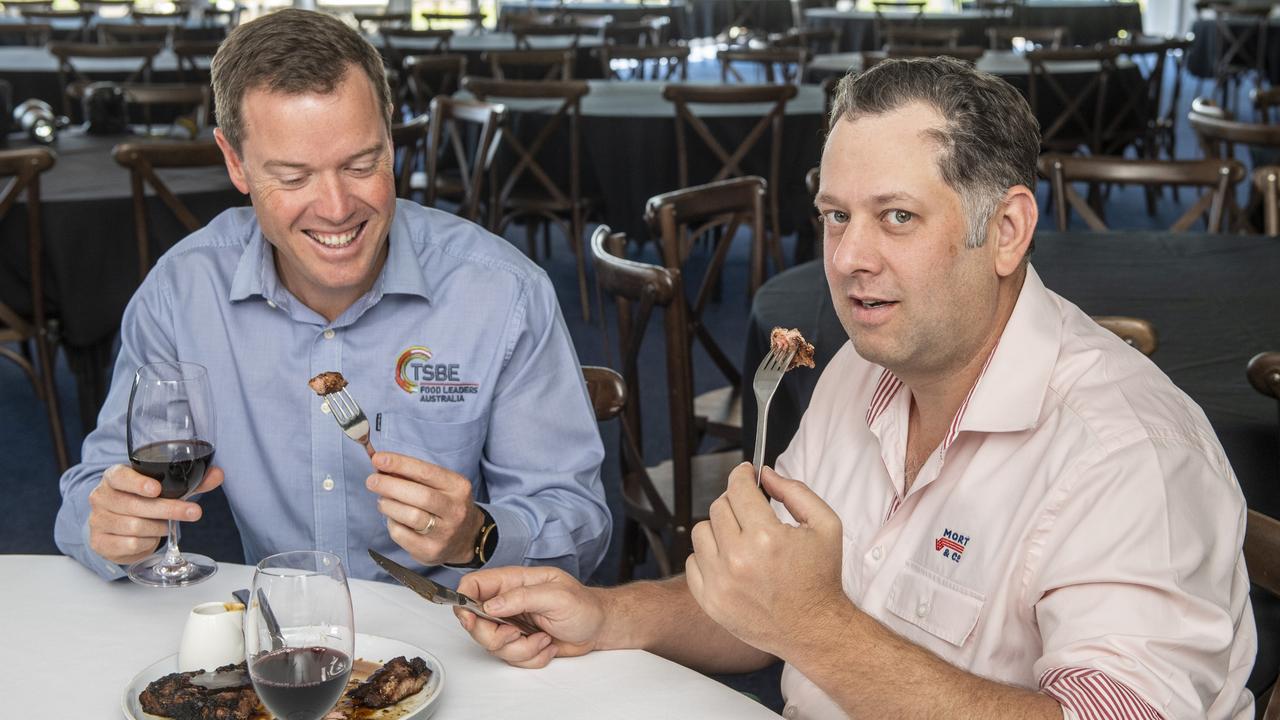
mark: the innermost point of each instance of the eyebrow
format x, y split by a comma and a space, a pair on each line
881, 199
286, 165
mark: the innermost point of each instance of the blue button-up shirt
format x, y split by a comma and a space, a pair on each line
458, 354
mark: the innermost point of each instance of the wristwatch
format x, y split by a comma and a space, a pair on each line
486, 542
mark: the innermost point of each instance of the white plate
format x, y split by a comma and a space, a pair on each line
369, 647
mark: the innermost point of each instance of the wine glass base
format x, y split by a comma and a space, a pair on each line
153, 572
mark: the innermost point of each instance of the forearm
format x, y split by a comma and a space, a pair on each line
870, 671
663, 618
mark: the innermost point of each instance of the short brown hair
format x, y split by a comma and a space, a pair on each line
990, 140
290, 51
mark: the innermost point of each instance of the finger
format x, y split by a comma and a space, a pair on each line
489, 583
123, 549
212, 479
110, 523
801, 501
406, 491
723, 521
411, 517
704, 540
693, 578
138, 506
533, 599
125, 479
750, 507
419, 471
541, 659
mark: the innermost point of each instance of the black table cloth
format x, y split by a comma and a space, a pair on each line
1208, 47
91, 265
1087, 23
1212, 300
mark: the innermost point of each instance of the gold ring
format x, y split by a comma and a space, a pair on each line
430, 524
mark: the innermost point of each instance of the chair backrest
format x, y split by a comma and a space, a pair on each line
1137, 332
446, 140
1000, 37
789, 63
20, 171
1266, 180
1217, 177
964, 53
452, 18
1080, 122
1262, 557
648, 31
922, 37
143, 159
397, 43
190, 100
1263, 372
379, 21
178, 16
1134, 121
114, 33
815, 40
530, 64
630, 62
570, 32
409, 140
426, 76
56, 17
607, 390
28, 33
527, 145
71, 77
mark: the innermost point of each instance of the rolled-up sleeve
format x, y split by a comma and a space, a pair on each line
145, 336
543, 453
1139, 587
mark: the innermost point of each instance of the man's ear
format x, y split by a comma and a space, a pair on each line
1013, 228
235, 167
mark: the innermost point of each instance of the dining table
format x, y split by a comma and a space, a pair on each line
74, 645
473, 47
33, 71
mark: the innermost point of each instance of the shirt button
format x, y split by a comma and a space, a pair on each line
876, 553
328, 334
790, 712
271, 303
324, 406
328, 483
922, 609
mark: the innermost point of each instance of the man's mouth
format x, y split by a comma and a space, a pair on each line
336, 240
873, 304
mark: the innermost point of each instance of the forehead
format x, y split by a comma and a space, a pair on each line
888, 152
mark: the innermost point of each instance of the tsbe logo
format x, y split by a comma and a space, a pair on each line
432, 382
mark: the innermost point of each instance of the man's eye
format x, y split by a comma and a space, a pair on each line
899, 217
835, 216
362, 169
293, 181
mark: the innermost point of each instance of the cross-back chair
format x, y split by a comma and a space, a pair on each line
456, 170
965, 53
668, 498
1262, 557
19, 6
193, 58
116, 33
1266, 183
446, 19
28, 33
143, 159
777, 65
530, 64
1137, 332
1080, 123
731, 160
426, 76
398, 43
56, 17
571, 33
73, 80
716, 211
922, 37
1136, 120
1240, 39
896, 14
189, 103
641, 62
20, 170
1220, 134
528, 192
1217, 178
409, 141
1000, 37
648, 31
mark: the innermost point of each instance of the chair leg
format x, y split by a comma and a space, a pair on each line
575, 242
632, 550
50, 393
531, 237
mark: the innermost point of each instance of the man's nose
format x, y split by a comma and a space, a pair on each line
855, 249
334, 203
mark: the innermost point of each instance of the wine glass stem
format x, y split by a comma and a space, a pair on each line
172, 557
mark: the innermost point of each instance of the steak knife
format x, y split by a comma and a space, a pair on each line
441, 595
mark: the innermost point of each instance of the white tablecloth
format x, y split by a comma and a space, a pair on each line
70, 643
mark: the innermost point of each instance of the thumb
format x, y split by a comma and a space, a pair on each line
212, 479
799, 500
534, 600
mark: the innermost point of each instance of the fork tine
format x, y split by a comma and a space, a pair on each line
343, 407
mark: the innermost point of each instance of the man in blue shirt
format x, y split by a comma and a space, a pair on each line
451, 340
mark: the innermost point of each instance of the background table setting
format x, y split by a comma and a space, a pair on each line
74, 644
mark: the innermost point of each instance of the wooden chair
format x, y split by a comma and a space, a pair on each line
1220, 135
56, 17
28, 33
777, 65
913, 10
143, 159
1266, 183
454, 170
607, 390
528, 193
409, 141
132, 33
1137, 332
570, 33
641, 62
1080, 123
1263, 372
530, 64
1262, 557
1241, 31
426, 76
20, 171
648, 31
1000, 37
1217, 177
815, 40
73, 80
964, 53
447, 19
922, 37
177, 17
190, 101
193, 59
670, 497
716, 211
399, 43
683, 96
370, 23
1136, 120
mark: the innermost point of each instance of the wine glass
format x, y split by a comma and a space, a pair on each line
170, 432
299, 637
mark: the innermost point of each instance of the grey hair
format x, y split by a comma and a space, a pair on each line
989, 141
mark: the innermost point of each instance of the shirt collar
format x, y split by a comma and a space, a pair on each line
1011, 387
401, 274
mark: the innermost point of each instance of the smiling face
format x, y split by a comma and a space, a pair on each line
908, 292
318, 168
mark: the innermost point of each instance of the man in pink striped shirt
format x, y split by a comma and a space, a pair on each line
1000, 510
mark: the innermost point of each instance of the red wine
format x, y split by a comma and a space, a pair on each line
300, 683
179, 465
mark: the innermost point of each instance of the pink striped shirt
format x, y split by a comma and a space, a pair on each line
1077, 532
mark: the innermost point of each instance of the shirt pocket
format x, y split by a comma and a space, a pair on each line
935, 604
454, 445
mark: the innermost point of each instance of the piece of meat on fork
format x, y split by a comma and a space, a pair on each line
333, 388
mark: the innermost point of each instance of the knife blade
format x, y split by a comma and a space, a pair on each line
441, 595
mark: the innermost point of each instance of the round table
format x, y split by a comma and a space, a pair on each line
73, 642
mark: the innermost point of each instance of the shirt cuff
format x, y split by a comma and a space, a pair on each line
1089, 694
105, 568
513, 537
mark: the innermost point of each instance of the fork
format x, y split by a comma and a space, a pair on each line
350, 418
765, 382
